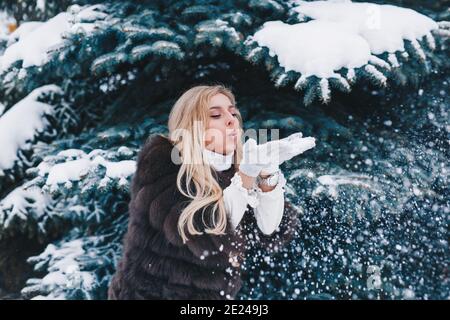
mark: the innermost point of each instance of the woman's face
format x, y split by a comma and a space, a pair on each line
222, 132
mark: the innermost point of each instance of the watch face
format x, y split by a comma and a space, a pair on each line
273, 180
270, 181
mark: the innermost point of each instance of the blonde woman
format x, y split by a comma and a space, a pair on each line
199, 198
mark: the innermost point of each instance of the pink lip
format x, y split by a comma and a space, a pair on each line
233, 134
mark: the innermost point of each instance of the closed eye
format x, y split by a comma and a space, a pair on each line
218, 115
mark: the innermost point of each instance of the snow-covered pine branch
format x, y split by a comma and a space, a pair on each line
217, 32
70, 188
342, 39
74, 171
33, 42
21, 126
77, 267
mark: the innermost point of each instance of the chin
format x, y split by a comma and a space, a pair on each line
228, 151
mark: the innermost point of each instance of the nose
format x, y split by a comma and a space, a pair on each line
229, 120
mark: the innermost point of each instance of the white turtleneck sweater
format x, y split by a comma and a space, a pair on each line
267, 206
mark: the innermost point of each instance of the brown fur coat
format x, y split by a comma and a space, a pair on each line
155, 262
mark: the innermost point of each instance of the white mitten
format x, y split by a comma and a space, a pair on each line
285, 149
270, 169
253, 158
294, 145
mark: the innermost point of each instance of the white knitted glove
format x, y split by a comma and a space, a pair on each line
267, 157
285, 149
254, 158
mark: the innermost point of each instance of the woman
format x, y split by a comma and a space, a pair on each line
200, 199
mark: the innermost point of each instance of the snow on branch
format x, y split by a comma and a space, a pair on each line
31, 115
343, 41
60, 261
33, 42
218, 32
24, 210
69, 189
64, 171
76, 267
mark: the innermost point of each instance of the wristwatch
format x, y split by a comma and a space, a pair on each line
270, 181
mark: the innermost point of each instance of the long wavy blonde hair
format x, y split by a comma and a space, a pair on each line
187, 124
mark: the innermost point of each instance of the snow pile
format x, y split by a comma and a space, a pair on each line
32, 47
24, 29
342, 34
298, 48
22, 123
384, 27
33, 41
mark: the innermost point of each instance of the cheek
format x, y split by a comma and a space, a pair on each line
215, 133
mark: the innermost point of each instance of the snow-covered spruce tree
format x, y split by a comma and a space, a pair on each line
84, 83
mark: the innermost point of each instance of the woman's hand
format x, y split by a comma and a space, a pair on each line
285, 149
251, 163
267, 157
254, 158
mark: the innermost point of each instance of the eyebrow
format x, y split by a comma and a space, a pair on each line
218, 107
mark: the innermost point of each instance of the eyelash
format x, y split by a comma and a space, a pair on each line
218, 115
